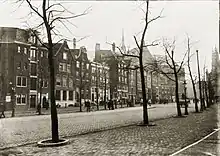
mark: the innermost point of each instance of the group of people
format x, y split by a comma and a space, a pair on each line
88, 105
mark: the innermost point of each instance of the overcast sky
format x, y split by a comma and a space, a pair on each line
106, 20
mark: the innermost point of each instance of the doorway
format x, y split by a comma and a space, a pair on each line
33, 100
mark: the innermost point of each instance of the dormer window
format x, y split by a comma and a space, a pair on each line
19, 49
64, 55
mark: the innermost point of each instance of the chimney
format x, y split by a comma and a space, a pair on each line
74, 43
113, 47
97, 47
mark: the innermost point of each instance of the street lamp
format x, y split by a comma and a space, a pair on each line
186, 111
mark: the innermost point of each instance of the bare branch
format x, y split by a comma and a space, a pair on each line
155, 18
34, 9
136, 42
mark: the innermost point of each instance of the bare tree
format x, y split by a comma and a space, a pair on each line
191, 76
172, 70
51, 15
139, 55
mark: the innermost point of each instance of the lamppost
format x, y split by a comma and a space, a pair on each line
12, 90
200, 87
186, 110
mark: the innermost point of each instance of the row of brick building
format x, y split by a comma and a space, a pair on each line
24, 73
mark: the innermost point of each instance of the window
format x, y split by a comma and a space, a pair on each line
25, 50
41, 54
64, 95
57, 94
21, 81
18, 81
24, 81
70, 95
25, 66
64, 55
87, 66
70, 82
23, 99
45, 84
19, 65
64, 81
19, 49
77, 74
64, 67
61, 67
77, 64
32, 54
20, 99
33, 69
68, 68
33, 84
58, 81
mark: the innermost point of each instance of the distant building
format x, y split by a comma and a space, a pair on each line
100, 88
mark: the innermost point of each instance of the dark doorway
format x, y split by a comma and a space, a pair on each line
33, 101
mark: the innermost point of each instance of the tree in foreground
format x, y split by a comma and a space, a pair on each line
51, 14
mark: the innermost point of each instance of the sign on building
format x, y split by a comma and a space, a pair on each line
8, 98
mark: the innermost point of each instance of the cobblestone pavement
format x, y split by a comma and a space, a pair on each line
23, 130
169, 135
207, 147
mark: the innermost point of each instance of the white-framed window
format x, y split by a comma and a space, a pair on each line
21, 81
61, 67
87, 65
64, 55
70, 82
58, 81
33, 53
19, 49
93, 70
21, 99
68, 68
77, 64
25, 50
64, 67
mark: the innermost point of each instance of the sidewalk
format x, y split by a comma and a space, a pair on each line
168, 136
61, 110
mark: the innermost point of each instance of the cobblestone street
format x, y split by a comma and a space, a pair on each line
168, 136
21, 130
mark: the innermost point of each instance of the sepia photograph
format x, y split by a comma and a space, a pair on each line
109, 78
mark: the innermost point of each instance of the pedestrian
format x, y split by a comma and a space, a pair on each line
47, 105
3, 111
149, 101
112, 105
86, 105
109, 105
89, 106
38, 109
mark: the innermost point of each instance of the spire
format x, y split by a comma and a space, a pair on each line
123, 42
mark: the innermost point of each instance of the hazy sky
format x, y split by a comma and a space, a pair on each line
200, 19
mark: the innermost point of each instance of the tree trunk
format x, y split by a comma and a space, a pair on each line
80, 99
145, 113
177, 95
54, 119
105, 93
194, 90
